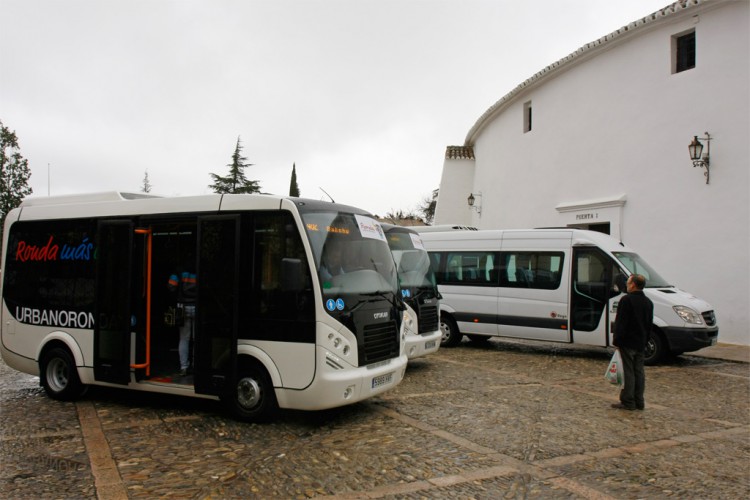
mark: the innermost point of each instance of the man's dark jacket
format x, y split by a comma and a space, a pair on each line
635, 314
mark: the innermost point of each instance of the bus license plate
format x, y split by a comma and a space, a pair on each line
382, 380
429, 345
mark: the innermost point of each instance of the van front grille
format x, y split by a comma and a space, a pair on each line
710, 318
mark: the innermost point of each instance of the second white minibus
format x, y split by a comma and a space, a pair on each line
418, 289
560, 285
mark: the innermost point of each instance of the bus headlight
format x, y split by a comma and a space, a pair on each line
408, 320
337, 344
688, 315
408, 324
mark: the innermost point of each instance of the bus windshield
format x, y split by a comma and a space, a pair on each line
413, 262
351, 255
636, 265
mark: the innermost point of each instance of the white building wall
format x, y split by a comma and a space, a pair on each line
609, 139
458, 173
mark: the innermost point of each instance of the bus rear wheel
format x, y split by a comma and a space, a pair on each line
252, 398
59, 376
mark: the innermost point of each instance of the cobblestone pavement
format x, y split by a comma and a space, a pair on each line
500, 420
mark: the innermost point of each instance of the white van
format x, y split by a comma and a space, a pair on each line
560, 285
418, 289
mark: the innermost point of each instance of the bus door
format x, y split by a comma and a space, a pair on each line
215, 351
593, 296
113, 308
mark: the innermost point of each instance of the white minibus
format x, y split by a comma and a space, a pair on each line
418, 289
560, 285
86, 299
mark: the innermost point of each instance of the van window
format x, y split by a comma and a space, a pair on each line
592, 275
465, 268
540, 270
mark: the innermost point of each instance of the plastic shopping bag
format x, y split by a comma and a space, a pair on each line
614, 373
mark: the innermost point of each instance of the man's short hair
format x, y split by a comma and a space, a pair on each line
639, 281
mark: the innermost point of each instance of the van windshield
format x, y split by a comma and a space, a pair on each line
636, 265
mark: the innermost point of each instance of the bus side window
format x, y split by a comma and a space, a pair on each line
276, 238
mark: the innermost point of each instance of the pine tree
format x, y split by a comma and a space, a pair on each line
14, 174
146, 187
427, 207
235, 182
293, 187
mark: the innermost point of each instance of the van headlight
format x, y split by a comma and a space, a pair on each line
688, 315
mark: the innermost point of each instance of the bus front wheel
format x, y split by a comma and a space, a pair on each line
449, 328
59, 376
252, 397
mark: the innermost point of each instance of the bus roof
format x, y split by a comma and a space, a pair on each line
66, 199
116, 203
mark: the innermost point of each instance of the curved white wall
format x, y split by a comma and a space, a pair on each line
614, 124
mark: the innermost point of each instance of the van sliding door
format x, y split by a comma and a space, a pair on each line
533, 293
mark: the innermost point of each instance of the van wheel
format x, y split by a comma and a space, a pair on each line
252, 398
655, 348
59, 376
451, 335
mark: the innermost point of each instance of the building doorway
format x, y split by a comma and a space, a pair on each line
601, 227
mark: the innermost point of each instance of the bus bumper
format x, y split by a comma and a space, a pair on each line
337, 383
417, 346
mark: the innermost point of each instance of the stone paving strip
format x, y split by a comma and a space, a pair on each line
107, 478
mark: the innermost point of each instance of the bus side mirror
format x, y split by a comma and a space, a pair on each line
291, 275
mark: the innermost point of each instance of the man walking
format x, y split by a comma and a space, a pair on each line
635, 315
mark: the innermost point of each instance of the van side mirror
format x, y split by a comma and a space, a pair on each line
620, 285
291, 275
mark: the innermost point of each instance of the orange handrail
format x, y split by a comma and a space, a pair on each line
149, 237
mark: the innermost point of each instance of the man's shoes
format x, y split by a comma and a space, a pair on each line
620, 406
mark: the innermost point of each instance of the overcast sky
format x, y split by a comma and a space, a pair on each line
362, 95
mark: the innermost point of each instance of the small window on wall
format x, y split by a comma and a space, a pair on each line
683, 52
527, 117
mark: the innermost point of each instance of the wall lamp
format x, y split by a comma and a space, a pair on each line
475, 204
696, 153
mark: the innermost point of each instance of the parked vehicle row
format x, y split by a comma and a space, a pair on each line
297, 303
